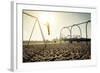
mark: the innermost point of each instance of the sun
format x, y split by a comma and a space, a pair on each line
44, 18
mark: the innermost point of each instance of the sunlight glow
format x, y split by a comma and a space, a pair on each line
44, 18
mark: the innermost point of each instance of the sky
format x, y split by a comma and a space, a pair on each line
55, 21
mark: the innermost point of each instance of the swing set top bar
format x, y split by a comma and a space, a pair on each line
81, 23
30, 15
78, 24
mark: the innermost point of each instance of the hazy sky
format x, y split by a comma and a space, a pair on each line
56, 21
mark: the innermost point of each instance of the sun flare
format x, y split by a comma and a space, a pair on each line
44, 18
